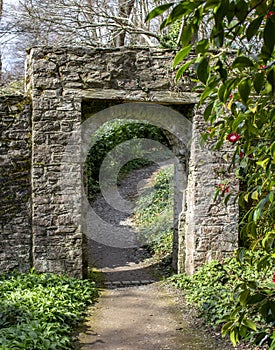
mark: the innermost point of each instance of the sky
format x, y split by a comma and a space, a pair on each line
8, 41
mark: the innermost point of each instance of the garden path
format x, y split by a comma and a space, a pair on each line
136, 311
144, 318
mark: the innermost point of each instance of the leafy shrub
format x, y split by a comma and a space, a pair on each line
111, 134
240, 297
39, 311
154, 213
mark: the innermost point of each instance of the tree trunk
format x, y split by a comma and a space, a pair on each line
124, 10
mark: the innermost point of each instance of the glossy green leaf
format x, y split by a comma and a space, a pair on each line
241, 10
182, 69
203, 70
217, 34
186, 35
263, 262
207, 91
255, 195
180, 56
271, 78
272, 151
242, 62
258, 82
208, 111
256, 298
240, 254
211, 4
227, 327
179, 10
222, 71
230, 13
249, 324
244, 89
243, 297
221, 93
261, 7
234, 337
202, 46
263, 163
253, 27
221, 11
240, 118
271, 196
158, 11
227, 198
269, 37
256, 214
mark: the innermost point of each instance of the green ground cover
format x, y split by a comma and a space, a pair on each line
237, 297
41, 311
154, 214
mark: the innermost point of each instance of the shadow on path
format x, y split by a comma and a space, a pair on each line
122, 267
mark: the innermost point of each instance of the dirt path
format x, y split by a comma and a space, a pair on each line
144, 318
135, 311
122, 266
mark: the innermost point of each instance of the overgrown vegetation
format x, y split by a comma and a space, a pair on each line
110, 135
154, 214
40, 311
230, 293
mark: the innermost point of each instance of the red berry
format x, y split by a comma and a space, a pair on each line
223, 188
269, 14
233, 137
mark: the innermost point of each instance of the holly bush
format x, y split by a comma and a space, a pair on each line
229, 44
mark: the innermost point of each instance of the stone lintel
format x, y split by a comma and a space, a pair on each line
165, 97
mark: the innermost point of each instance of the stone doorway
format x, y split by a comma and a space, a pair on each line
105, 232
59, 84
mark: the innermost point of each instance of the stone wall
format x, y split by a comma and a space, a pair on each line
15, 192
61, 83
209, 227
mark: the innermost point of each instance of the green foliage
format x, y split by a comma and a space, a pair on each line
235, 66
13, 88
154, 214
169, 40
40, 311
238, 297
112, 134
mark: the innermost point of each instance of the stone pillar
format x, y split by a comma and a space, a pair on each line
56, 204
209, 227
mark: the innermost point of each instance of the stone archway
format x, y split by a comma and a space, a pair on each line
60, 82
